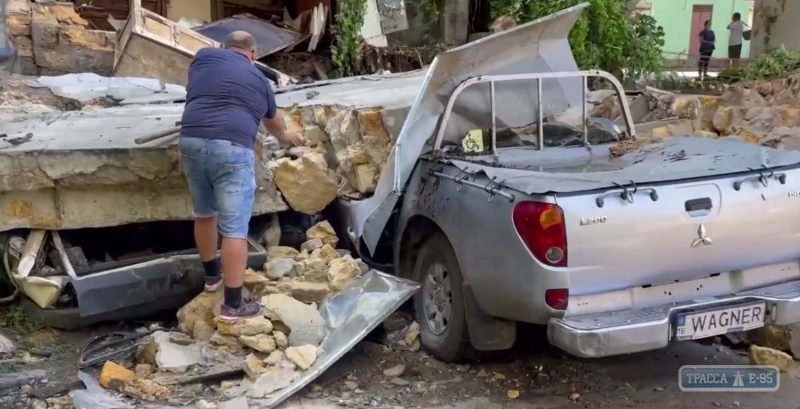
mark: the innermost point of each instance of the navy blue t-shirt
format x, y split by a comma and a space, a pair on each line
226, 98
707, 35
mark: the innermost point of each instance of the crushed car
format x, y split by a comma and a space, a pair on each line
617, 245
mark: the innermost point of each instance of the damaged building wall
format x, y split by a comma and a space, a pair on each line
53, 39
774, 26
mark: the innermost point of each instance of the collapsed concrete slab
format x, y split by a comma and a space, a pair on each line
68, 158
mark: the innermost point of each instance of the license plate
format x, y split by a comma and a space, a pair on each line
706, 324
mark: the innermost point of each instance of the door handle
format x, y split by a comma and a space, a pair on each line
698, 204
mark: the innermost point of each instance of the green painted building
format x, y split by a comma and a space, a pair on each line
683, 19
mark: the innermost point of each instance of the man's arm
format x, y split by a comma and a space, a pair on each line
274, 123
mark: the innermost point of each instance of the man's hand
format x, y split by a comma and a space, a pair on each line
294, 138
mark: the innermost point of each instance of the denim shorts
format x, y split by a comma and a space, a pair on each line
222, 182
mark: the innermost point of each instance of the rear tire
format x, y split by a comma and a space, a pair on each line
438, 305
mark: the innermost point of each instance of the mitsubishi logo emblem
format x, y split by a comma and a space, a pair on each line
701, 237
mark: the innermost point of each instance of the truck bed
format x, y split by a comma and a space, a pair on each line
577, 169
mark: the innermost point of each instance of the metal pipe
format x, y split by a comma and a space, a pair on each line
585, 87
494, 123
540, 124
493, 190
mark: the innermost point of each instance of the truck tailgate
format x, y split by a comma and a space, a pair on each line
692, 230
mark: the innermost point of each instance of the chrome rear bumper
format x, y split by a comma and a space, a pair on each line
625, 332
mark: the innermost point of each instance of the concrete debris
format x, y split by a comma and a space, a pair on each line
768, 356
227, 342
280, 267
161, 352
273, 379
302, 356
7, 347
274, 358
200, 309
311, 245
305, 322
406, 339
253, 366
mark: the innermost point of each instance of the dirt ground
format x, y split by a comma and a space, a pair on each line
544, 376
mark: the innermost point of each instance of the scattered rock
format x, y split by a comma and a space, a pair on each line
202, 331
6, 346
350, 385
305, 322
226, 341
342, 272
166, 355
311, 245
323, 231
143, 370
237, 403
253, 366
395, 371
512, 394
201, 308
308, 292
499, 377
482, 373
275, 358
307, 183
280, 339
315, 270
112, 371
250, 326
363, 266
151, 388
260, 342
326, 253
281, 252
574, 396
302, 356
399, 382
37, 404
279, 267
768, 356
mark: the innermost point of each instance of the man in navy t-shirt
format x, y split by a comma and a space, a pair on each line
226, 99
707, 46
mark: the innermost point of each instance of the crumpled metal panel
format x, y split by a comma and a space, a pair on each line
538, 46
350, 315
578, 169
269, 38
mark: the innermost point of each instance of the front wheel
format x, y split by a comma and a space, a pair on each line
439, 305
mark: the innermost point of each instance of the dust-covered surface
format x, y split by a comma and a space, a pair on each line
544, 377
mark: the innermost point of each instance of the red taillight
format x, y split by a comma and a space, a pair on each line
557, 299
541, 226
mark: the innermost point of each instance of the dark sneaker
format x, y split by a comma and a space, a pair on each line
213, 283
247, 309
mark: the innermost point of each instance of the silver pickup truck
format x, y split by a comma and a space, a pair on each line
615, 252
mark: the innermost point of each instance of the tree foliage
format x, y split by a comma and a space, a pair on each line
606, 36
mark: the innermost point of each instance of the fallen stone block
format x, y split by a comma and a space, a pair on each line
768, 356
307, 183
166, 355
248, 327
324, 232
305, 322
342, 272
261, 342
273, 379
302, 356
199, 310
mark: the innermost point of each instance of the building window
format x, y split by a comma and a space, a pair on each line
643, 7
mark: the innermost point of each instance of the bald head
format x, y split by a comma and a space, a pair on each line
243, 42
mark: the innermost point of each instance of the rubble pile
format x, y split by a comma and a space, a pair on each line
53, 39
272, 349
